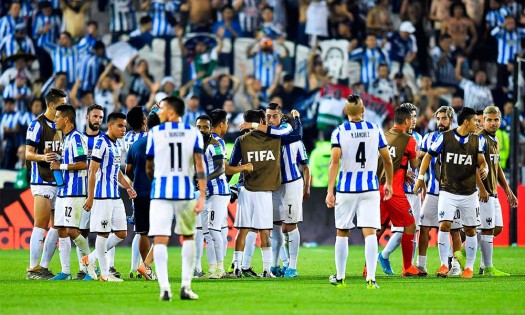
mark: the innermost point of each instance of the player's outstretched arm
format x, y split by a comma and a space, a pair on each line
219, 169
511, 198
307, 176
389, 171
126, 183
333, 169
201, 178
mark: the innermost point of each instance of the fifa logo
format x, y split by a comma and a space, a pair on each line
260, 156
460, 159
53, 145
494, 158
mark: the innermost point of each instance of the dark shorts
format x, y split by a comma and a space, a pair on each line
142, 214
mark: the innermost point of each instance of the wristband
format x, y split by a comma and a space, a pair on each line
63, 167
421, 177
201, 175
255, 125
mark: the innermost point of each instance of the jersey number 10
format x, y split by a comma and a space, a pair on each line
179, 156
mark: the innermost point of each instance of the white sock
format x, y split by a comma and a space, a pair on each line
50, 244
218, 247
283, 253
110, 255
415, 241
237, 258
224, 234
160, 252
101, 247
422, 261
199, 248
188, 261
487, 247
371, 256
471, 248
113, 241
443, 247
82, 249
455, 263
249, 248
210, 251
266, 258
341, 255
65, 254
35, 246
294, 240
393, 243
277, 243
135, 253
480, 247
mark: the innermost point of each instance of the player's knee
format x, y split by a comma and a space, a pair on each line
121, 234
487, 232
444, 226
498, 230
62, 232
470, 231
73, 233
343, 233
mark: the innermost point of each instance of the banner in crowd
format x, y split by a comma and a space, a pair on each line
121, 54
16, 221
335, 58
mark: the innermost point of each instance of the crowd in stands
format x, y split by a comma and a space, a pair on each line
428, 52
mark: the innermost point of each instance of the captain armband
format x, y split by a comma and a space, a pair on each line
201, 175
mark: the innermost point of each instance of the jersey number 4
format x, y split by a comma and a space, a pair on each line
179, 156
360, 156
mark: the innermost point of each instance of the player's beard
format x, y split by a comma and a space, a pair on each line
93, 127
442, 128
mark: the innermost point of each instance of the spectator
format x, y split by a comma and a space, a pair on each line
508, 89
404, 92
121, 18
19, 70
444, 62
370, 56
17, 42
141, 81
9, 130
228, 26
248, 15
378, 19
74, 13
383, 87
317, 74
509, 44
88, 41
235, 119
20, 92
460, 28
90, 65
496, 14
46, 26
21, 157
477, 93
65, 56
192, 111
201, 15
107, 92
131, 101
201, 54
317, 20
58, 81
9, 21
403, 49
439, 13
36, 107
163, 13
429, 98
268, 28
291, 95
474, 10
256, 96
265, 61
219, 88
81, 105
142, 36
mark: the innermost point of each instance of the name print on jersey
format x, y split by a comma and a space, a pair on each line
259, 156
459, 159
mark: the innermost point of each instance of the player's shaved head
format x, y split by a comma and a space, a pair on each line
354, 105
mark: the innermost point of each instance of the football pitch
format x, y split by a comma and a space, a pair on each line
309, 294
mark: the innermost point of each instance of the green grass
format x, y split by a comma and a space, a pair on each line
309, 294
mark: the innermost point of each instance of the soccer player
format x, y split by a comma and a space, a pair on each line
42, 143
402, 148
174, 155
413, 199
253, 212
490, 209
137, 122
94, 117
355, 145
461, 153
103, 196
136, 171
71, 196
429, 210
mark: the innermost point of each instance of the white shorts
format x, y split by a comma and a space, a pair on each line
254, 210
108, 215
203, 216
85, 220
68, 211
363, 205
217, 211
429, 213
292, 196
466, 208
162, 213
277, 203
415, 210
46, 191
487, 213
497, 214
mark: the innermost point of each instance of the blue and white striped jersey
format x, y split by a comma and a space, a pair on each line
172, 147
109, 154
189, 118
437, 146
476, 96
26, 119
33, 134
89, 70
272, 30
496, 17
265, 66
64, 59
9, 120
132, 136
13, 91
292, 156
74, 149
509, 43
52, 34
433, 181
248, 15
86, 43
91, 140
212, 153
122, 16
10, 46
7, 25
158, 10
410, 188
444, 71
359, 143
370, 60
